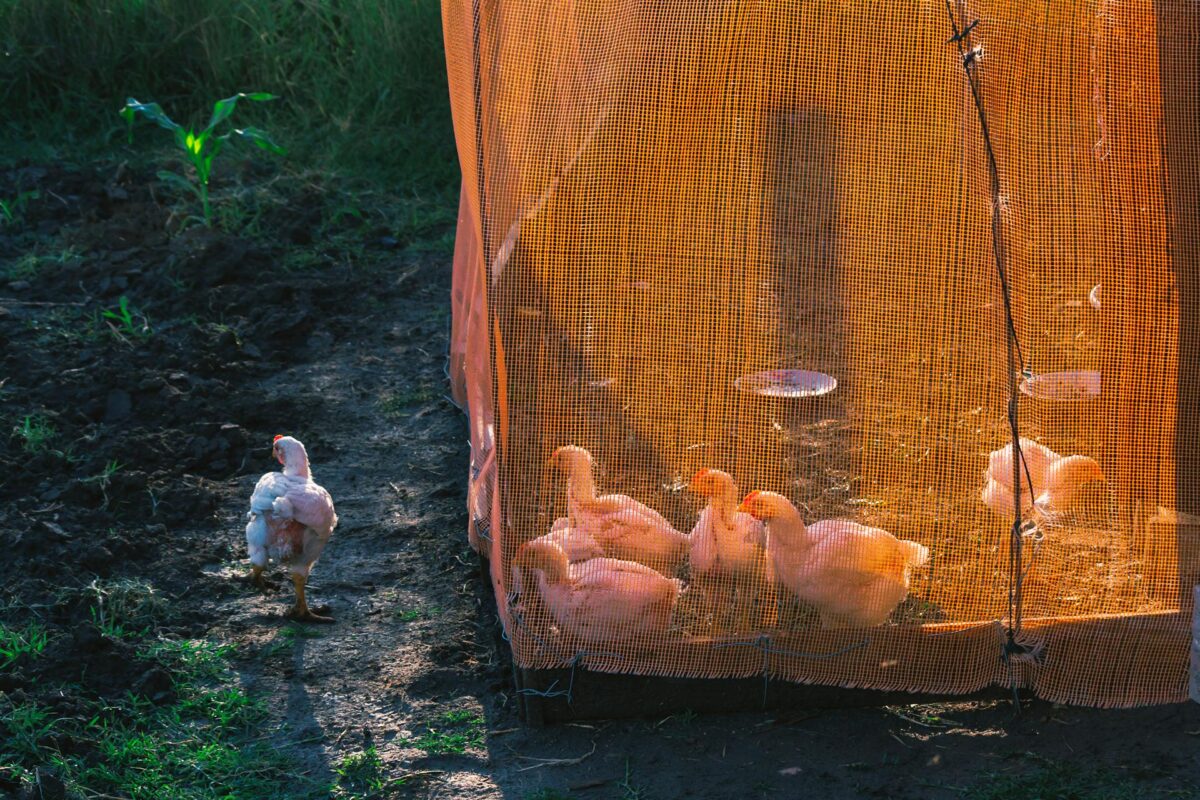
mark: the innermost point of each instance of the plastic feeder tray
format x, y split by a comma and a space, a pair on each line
787, 383
1063, 387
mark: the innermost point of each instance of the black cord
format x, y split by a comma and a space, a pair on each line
1016, 359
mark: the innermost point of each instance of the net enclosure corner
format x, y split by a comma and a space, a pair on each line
779, 333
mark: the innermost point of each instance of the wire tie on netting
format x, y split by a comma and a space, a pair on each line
550, 691
1014, 649
958, 37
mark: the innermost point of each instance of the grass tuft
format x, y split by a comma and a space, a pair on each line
18, 643
36, 434
456, 732
125, 606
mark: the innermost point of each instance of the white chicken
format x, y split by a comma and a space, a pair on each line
727, 554
1056, 480
853, 575
625, 528
601, 600
577, 544
290, 521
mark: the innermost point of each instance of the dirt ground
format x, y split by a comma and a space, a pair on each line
135, 441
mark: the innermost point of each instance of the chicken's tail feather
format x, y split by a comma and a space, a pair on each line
915, 555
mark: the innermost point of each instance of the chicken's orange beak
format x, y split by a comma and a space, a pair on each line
749, 505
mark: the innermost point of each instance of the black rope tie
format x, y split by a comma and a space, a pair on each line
1013, 649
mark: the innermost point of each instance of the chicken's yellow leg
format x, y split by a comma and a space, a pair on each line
301, 611
256, 577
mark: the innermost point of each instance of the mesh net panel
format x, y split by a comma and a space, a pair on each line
663, 200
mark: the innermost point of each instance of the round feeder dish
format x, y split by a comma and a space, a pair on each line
1063, 387
787, 383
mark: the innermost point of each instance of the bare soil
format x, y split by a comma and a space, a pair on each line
327, 327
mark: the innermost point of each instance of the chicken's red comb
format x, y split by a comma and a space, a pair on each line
751, 496
700, 474
278, 436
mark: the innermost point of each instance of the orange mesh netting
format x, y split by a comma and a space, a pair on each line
662, 198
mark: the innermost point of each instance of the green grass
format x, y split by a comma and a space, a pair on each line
362, 83
124, 607
12, 209
30, 264
36, 434
455, 731
18, 643
398, 404
360, 775
206, 744
286, 639
1055, 780
413, 614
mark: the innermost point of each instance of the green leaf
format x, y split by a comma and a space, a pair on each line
178, 181
223, 108
152, 111
260, 138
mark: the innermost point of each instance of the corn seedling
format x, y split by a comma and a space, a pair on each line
124, 320
201, 148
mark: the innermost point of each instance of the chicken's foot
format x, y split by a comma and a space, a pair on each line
259, 580
301, 612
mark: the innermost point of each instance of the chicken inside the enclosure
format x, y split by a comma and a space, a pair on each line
576, 543
601, 600
625, 528
728, 560
852, 574
290, 521
1050, 483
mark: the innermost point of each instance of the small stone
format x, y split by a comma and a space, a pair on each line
18, 286
118, 406
155, 685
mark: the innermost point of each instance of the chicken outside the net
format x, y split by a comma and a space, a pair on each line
290, 521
